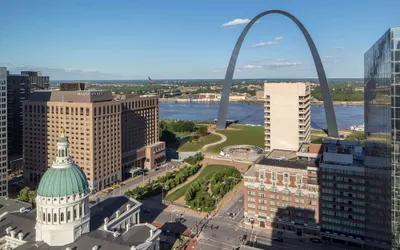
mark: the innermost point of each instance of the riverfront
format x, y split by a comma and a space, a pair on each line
253, 113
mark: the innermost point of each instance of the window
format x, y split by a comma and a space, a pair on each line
262, 174
55, 218
298, 179
251, 205
62, 217
48, 217
273, 176
286, 177
68, 215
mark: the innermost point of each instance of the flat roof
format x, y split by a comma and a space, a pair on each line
108, 208
282, 154
89, 96
12, 205
299, 164
137, 234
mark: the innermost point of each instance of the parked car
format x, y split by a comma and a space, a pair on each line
315, 240
278, 239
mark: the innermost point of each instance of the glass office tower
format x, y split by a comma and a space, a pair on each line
382, 132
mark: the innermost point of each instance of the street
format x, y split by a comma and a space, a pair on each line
224, 231
135, 181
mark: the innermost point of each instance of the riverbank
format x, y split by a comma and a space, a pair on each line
186, 100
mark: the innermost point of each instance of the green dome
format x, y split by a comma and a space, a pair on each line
63, 139
58, 182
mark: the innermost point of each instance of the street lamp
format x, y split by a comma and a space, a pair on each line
162, 193
197, 216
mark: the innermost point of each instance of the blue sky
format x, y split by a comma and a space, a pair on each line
133, 39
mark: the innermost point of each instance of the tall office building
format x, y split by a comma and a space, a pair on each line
382, 117
108, 136
37, 80
3, 133
287, 115
19, 88
353, 204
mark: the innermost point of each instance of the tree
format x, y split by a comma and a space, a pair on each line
201, 131
27, 195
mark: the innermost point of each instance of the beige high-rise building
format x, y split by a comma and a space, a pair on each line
287, 112
108, 134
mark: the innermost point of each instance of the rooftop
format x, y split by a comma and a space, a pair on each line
278, 154
86, 96
137, 234
283, 158
108, 208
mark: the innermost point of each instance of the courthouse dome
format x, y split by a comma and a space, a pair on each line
64, 178
58, 182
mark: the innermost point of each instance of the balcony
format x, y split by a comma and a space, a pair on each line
303, 110
303, 128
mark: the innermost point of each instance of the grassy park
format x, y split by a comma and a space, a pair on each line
195, 146
239, 135
206, 173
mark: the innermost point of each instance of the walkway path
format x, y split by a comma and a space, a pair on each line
223, 139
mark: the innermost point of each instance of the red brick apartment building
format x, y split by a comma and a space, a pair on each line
336, 190
282, 191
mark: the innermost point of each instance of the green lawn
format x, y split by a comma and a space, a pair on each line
317, 132
206, 173
188, 147
243, 135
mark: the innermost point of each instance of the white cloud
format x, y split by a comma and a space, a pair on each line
279, 38
339, 48
237, 21
274, 65
252, 66
70, 73
262, 44
329, 59
280, 59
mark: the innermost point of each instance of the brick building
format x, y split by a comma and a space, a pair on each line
108, 135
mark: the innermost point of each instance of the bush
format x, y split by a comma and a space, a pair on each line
192, 160
201, 131
223, 181
169, 181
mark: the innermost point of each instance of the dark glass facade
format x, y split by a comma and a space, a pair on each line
382, 132
19, 89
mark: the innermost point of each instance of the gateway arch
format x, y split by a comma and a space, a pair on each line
326, 95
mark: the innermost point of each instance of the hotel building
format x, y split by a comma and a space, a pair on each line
109, 135
287, 115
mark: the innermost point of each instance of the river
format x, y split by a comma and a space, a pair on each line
253, 113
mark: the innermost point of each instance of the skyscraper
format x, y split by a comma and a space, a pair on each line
19, 88
382, 119
287, 115
3, 132
37, 80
